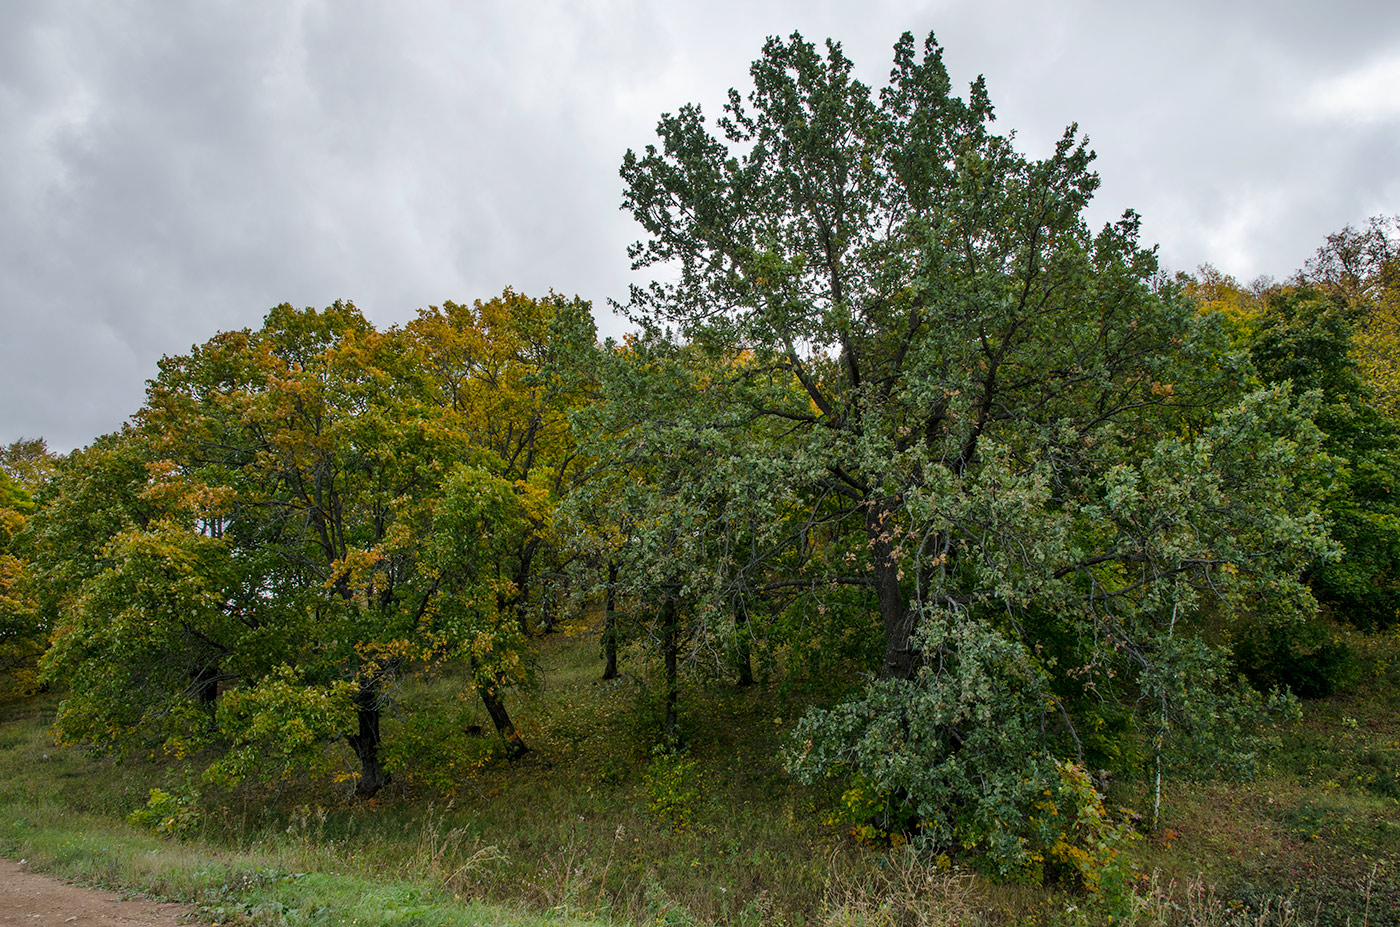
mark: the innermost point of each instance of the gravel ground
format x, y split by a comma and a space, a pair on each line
35, 900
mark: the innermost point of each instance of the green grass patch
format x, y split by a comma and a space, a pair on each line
1321, 823
65, 813
593, 827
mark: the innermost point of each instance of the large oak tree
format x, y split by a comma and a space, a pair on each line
1005, 427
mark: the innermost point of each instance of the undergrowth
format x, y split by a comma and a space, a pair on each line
593, 825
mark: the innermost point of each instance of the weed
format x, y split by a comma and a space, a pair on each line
168, 815
672, 788
1197, 904
591, 825
906, 891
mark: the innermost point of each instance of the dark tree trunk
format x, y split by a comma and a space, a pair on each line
500, 717
549, 609
366, 743
744, 656
670, 646
522, 585
610, 624
556, 608
895, 616
205, 686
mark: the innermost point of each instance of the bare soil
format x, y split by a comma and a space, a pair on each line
34, 900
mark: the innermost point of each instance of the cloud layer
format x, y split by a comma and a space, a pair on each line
174, 170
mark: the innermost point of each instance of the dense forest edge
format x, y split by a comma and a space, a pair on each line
922, 557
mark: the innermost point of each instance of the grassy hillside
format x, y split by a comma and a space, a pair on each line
592, 826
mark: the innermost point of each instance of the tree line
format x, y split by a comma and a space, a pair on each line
894, 422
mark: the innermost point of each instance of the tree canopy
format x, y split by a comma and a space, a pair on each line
1010, 431
895, 420
303, 514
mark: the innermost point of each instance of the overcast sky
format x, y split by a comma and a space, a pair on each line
169, 170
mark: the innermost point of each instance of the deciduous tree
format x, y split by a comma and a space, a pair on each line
494, 373
1004, 422
21, 639
1361, 268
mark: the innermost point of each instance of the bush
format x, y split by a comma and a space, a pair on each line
956, 759
672, 787
435, 748
279, 727
1304, 657
168, 815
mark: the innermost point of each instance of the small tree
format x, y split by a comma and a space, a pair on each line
644, 511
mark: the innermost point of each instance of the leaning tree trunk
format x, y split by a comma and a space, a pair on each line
500, 717
366, 743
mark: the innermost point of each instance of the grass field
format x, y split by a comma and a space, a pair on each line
592, 827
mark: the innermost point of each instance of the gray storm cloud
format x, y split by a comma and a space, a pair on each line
173, 170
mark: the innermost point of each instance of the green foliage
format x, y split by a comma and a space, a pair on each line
955, 754
655, 509
477, 517
893, 359
95, 494
672, 786
570, 831
1209, 722
280, 726
830, 647
1360, 269
138, 645
1306, 658
499, 373
959, 757
1307, 338
899, 422
21, 632
867, 811
303, 514
1089, 850
1106, 732
28, 463
168, 815
14, 497
430, 749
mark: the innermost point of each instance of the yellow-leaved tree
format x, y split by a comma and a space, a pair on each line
314, 510
1361, 267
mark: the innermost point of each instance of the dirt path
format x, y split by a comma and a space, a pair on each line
34, 900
